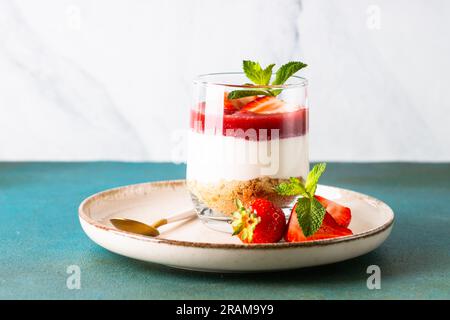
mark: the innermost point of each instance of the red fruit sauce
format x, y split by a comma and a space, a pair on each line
240, 123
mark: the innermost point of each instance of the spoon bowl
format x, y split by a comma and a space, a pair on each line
134, 226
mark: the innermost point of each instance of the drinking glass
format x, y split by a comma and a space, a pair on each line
240, 149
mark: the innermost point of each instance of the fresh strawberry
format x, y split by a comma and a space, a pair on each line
329, 229
227, 105
235, 104
265, 104
262, 222
342, 215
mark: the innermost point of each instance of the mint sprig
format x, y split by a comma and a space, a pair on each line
262, 76
310, 212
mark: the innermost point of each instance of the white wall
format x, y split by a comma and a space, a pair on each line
104, 79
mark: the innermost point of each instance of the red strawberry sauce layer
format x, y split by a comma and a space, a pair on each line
290, 124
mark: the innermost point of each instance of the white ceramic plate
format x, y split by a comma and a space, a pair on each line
192, 245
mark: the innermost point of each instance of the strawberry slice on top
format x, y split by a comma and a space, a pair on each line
232, 105
265, 104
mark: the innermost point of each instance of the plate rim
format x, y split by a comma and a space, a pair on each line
84, 217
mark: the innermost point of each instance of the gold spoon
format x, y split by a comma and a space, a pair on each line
138, 227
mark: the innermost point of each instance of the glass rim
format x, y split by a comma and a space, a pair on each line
200, 79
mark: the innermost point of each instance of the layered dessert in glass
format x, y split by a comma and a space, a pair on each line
241, 148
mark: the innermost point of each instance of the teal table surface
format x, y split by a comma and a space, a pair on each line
40, 237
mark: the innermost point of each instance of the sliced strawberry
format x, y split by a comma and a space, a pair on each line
227, 105
235, 104
329, 229
265, 104
342, 215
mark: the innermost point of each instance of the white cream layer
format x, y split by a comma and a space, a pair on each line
216, 157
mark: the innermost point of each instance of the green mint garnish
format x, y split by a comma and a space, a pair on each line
292, 188
310, 212
313, 178
236, 94
256, 74
262, 77
286, 71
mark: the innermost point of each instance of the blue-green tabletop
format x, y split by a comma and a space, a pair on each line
40, 237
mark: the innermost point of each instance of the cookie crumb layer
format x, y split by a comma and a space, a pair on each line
220, 196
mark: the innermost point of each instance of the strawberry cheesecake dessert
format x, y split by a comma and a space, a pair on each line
247, 138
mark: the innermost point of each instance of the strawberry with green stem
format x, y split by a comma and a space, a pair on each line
261, 222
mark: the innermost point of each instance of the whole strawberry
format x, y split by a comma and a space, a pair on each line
262, 222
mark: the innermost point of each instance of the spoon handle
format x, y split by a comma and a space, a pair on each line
181, 216
173, 218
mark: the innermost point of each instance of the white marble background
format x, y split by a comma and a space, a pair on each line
104, 79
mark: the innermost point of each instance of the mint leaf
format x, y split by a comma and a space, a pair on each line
313, 178
287, 70
292, 188
236, 94
255, 73
267, 74
295, 187
310, 214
